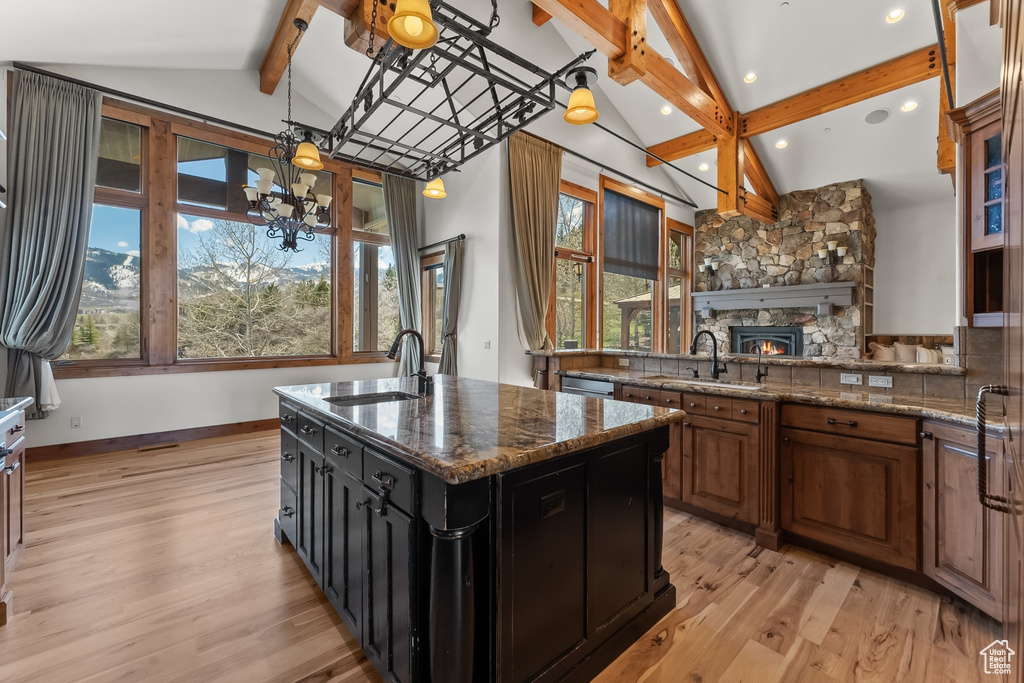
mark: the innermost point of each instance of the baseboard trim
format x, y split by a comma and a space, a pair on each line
127, 443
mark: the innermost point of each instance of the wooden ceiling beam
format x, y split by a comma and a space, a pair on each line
275, 61
894, 74
686, 48
608, 34
683, 146
730, 174
540, 17
633, 62
757, 174
758, 208
946, 153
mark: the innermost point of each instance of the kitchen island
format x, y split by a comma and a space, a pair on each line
486, 533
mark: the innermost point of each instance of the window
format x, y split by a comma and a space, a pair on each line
571, 317
678, 319
107, 326
432, 292
632, 308
239, 295
375, 314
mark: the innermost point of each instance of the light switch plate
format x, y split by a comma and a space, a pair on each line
880, 381
623, 362
850, 378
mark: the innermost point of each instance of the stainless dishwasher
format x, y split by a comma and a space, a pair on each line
588, 387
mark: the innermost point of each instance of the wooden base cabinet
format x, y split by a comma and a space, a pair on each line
12, 506
720, 459
962, 541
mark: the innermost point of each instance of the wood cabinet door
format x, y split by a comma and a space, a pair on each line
14, 504
855, 494
672, 465
311, 511
720, 459
962, 541
344, 539
390, 600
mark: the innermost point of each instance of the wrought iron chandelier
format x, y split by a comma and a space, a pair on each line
284, 199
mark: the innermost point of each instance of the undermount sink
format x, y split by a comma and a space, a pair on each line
699, 382
367, 399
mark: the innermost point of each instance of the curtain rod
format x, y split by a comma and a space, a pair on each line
457, 238
616, 171
144, 100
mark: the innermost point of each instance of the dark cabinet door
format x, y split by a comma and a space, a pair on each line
346, 505
389, 593
311, 511
720, 460
855, 494
963, 541
13, 484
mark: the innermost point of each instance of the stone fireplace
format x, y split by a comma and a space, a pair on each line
773, 340
753, 257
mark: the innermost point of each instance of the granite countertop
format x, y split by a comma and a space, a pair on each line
470, 429
961, 412
855, 364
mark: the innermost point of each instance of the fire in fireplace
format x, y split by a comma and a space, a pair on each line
773, 341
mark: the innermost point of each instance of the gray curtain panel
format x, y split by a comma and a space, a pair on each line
535, 168
452, 292
400, 209
53, 146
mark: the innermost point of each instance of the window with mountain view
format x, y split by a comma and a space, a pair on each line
375, 316
239, 295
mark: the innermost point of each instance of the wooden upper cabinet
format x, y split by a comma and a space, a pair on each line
986, 184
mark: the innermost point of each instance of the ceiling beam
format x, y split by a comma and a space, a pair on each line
633, 62
540, 17
946, 154
730, 174
275, 61
608, 34
758, 208
687, 50
683, 146
757, 174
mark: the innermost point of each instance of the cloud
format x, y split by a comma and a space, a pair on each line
195, 227
122, 244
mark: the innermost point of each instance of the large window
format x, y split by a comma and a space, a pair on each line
432, 292
571, 317
678, 321
107, 326
375, 315
239, 295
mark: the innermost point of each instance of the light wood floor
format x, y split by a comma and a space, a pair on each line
162, 566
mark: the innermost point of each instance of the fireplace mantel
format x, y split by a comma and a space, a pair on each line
822, 297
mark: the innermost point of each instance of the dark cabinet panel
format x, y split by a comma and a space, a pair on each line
289, 459
288, 514
346, 505
310, 529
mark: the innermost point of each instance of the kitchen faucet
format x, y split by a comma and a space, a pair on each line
425, 384
760, 374
716, 369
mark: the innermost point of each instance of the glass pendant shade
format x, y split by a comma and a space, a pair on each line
307, 156
412, 25
435, 189
582, 109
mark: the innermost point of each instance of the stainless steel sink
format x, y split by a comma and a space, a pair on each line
720, 384
367, 399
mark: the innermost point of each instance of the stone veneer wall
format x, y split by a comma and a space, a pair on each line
785, 253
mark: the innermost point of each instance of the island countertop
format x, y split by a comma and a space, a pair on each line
470, 429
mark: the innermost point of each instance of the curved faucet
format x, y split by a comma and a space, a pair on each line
716, 369
425, 384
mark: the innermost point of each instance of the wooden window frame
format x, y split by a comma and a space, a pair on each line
686, 275
588, 254
659, 289
429, 263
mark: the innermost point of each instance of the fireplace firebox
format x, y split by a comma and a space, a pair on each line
773, 341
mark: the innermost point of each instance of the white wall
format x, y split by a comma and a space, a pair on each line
978, 54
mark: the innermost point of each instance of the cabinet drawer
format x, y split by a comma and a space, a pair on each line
289, 458
745, 411
694, 403
16, 431
344, 452
383, 473
890, 428
289, 416
311, 431
671, 399
287, 515
641, 395
716, 406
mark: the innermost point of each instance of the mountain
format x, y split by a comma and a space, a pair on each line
111, 281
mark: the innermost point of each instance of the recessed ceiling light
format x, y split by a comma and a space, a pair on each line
894, 16
911, 105
750, 77
704, 166
781, 144
666, 110
877, 116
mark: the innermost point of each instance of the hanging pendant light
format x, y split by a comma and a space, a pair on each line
307, 156
412, 24
435, 189
582, 109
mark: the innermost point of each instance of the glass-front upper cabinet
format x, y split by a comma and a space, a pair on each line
986, 180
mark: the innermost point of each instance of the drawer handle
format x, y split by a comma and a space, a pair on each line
668, 400
629, 395
743, 411
287, 457
647, 398
386, 481
360, 504
287, 418
287, 512
851, 423
10, 470
926, 435
718, 407
382, 507
338, 450
17, 428
305, 429
988, 500
322, 470
786, 440
693, 405
687, 424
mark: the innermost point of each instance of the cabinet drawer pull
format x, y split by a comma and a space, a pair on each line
305, 429
17, 428
287, 418
926, 435
743, 411
687, 424
322, 469
693, 405
851, 423
668, 400
338, 450
10, 470
647, 398
718, 407
286, 511
386, 481
786, 440
287, 457
360, 504
629, 395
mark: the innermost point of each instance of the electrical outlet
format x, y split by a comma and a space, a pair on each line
623, 362
880, 381
850, 378
76, 422
487, 344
